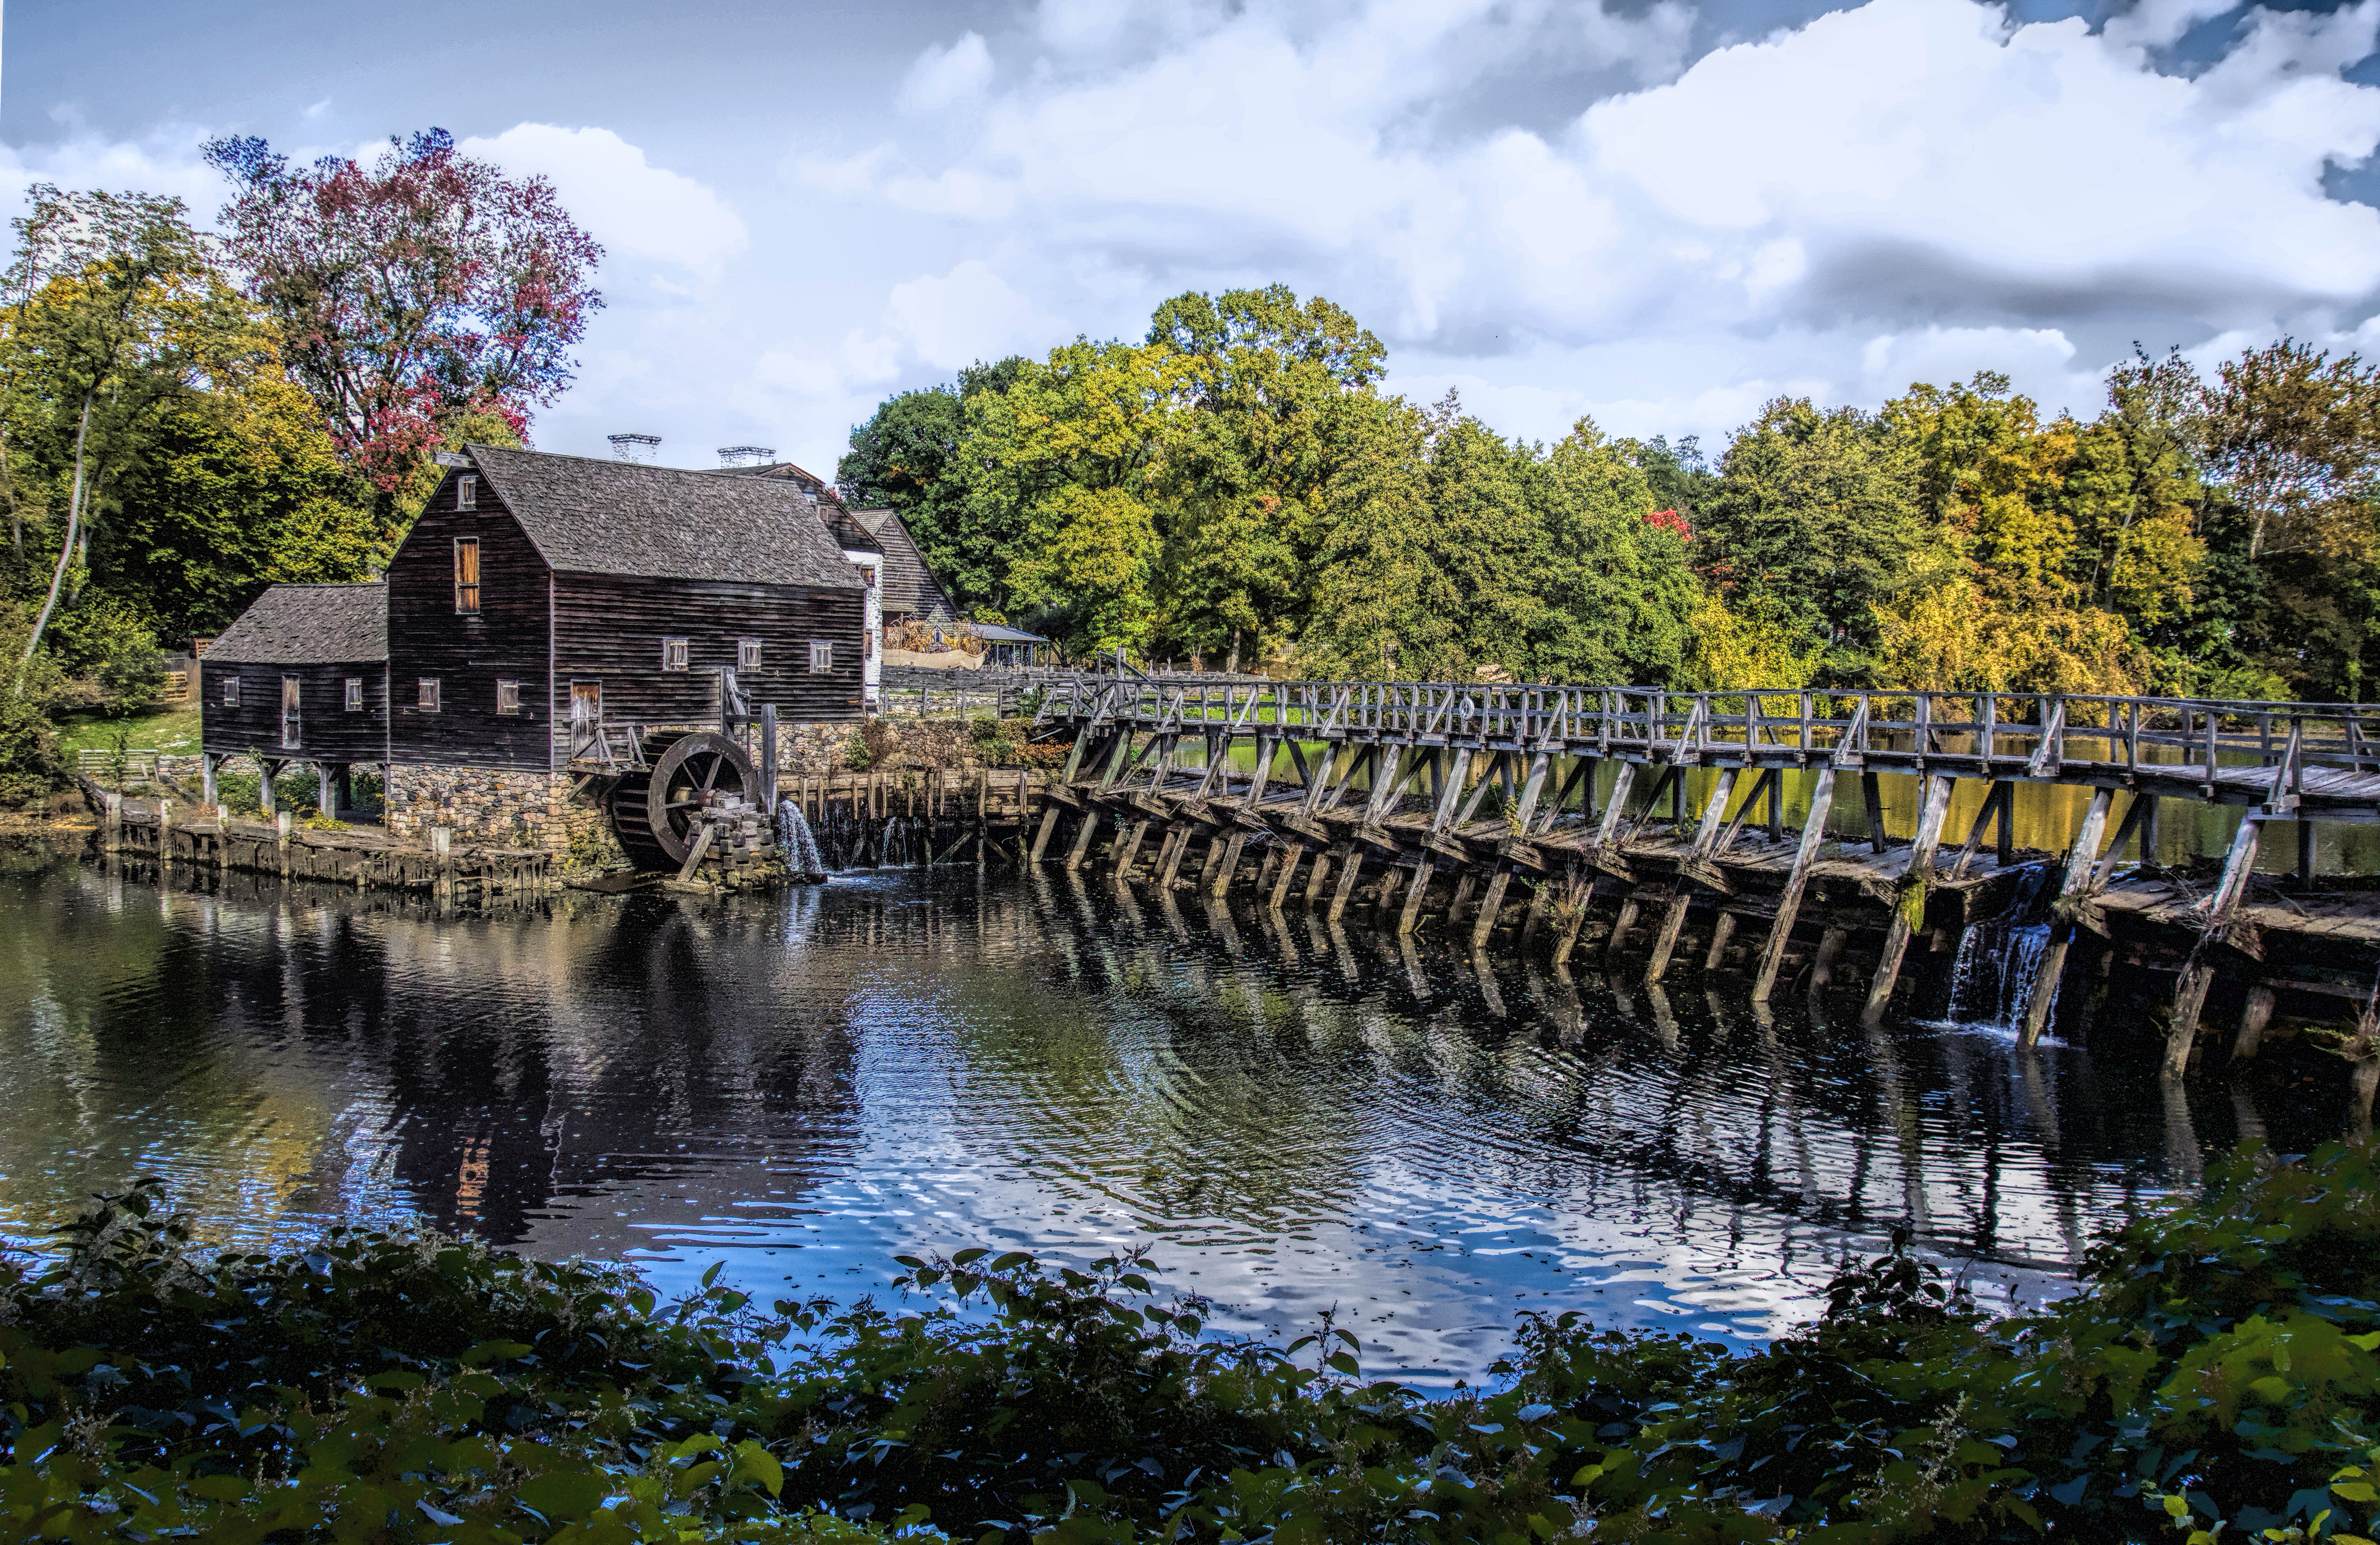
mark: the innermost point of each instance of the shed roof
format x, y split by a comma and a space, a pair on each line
993, 633
589, 516
910, 588
308, 625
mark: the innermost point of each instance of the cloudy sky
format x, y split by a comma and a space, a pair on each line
1661, 214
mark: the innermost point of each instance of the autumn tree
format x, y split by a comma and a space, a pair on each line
426, 285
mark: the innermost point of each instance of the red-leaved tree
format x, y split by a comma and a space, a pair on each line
426, 285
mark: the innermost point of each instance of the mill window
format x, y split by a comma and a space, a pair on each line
466, 575
292, 706
821, 654
673, 654
231, 691
429, 699
466, 492
355, 694
508, 696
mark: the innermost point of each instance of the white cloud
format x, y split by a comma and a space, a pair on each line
1924, 175
633, 209
948, 76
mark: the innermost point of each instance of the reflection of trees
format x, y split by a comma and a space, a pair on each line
152, 1030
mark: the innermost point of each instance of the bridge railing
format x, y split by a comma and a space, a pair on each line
2035, 735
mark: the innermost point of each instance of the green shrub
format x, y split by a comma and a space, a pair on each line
2219, 1370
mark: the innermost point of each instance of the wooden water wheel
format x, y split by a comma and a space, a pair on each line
652, 809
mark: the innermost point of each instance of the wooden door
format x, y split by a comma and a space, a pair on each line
289, 725
586, 712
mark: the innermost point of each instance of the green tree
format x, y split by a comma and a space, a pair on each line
1619, 591
1261, 380
111, 301
905, 458
1064, 457
1815, 518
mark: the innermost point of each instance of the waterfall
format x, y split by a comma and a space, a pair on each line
801, 848
1991, 978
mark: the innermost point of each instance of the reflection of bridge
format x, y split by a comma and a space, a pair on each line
1422, 759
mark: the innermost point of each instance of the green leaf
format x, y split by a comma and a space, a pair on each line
494, 1351
756, 1463
565, 1495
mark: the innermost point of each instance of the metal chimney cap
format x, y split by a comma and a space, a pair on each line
634, 447
747, 455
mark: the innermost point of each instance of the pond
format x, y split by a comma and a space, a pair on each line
1293, 1117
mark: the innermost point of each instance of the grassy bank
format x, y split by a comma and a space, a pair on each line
2217, 1366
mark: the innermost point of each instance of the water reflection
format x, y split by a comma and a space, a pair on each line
1298, 1115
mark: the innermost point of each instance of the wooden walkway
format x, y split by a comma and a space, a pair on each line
1376, 791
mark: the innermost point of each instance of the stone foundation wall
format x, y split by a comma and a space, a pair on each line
502, 808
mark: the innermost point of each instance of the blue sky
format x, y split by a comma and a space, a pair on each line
1655, 212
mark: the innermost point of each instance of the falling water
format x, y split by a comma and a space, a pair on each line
801, 848
1991, 978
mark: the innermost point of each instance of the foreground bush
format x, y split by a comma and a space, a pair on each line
2218, 1377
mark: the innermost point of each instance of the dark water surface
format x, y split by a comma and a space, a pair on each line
1296, 1117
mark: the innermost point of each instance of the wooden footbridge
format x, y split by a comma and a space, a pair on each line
1425, 801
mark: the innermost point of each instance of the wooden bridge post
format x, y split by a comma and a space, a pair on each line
2080, 862
1873, 792
1917, 883
1268, 747
2198, 971
1524, 814
1449, 791
769, 760
207, 761
1391, 773
1681, 897
1813, 834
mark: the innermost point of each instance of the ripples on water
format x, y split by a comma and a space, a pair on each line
1297, 1117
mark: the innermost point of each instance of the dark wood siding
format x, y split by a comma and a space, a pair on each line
610, 627
507, 640
326, 731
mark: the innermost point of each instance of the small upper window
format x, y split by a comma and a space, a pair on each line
355, 694
673, 654
821, 654
466, 575
747, 654
231, 691
466, 492
508, 696
429, 699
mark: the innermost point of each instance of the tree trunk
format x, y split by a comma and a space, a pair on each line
1231, 666
65, 548
8, 481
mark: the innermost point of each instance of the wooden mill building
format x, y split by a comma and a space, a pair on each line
546, 613
302, 675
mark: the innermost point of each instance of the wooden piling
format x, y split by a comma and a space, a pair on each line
1523, 813
2198, 972
1916, 883
2080, 862
1665, 942
1780, 930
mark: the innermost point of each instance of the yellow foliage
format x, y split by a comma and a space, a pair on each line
1951, 637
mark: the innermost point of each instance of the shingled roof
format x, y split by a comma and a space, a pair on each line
308, 625
910, 588
588, 515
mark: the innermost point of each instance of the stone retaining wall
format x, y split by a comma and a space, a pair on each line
512, 809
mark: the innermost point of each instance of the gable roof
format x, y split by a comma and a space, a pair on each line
588, 515
910, 588
308, 625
